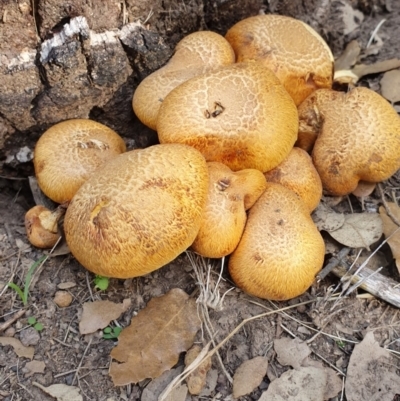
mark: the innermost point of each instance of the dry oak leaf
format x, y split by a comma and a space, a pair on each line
291, 352
390, 86
306, 384
33, 367
19, 348
98, 314
389, 227
249, 375
155, 338
61, 392
196, 381
325, 218
371, 374
359, 230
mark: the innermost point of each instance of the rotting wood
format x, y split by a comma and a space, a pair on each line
375, 283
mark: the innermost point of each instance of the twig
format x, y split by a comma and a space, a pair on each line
80, 363
9, 322
374, 32
387, 208
333, 262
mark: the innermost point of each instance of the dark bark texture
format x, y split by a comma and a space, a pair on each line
84, 58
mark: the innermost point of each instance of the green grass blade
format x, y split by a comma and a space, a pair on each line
19, 292
29, 276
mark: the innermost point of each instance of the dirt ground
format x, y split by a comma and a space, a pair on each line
84, 361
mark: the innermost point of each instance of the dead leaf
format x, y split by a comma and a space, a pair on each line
153, 390
360, 230
98, 314
178, 394
249, 375
389, 227
390, 86
155, 338
371, 374
19, 349
306, 384
333, 382
325, 218
291, 351
196, 381
61, 392
33, 367
66, 285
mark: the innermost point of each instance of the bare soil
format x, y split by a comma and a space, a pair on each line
84, 361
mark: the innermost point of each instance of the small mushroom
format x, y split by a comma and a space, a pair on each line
239, 115
69, 152
139, 211
230, 194
41, 225
297, 172
195, 54
281, 250
298, 56
358, 138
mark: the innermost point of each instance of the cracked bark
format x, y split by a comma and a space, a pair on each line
85, 59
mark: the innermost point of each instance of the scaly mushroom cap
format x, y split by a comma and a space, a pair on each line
138, 212
230, 194
298, 56
41, 226
69, 152
297, 172
195, 54
281, 249
359, 140
239, 115
310, 119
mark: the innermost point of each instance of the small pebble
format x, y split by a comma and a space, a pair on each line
62, 299
29, 336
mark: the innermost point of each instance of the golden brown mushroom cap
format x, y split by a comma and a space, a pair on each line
281, 249
239, 115
230, 194
298, 56
138, 212
195, 54
297, 172
69, 152
359, 140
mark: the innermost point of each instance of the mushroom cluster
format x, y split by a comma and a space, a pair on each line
251, 132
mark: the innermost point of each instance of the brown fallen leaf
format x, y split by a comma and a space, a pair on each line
305, 384
390, 86
61, 392
325, 218
291, 352
155, 338
33, 367
20, 350
98, 314
249, 375
371, 374
389, 228
359, 230
196, 381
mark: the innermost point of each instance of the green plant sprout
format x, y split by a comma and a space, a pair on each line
101, 282
23, 293
35, 324
111, 333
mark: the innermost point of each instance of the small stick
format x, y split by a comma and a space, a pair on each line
9, 322
387, 208
333, 262
81, 362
